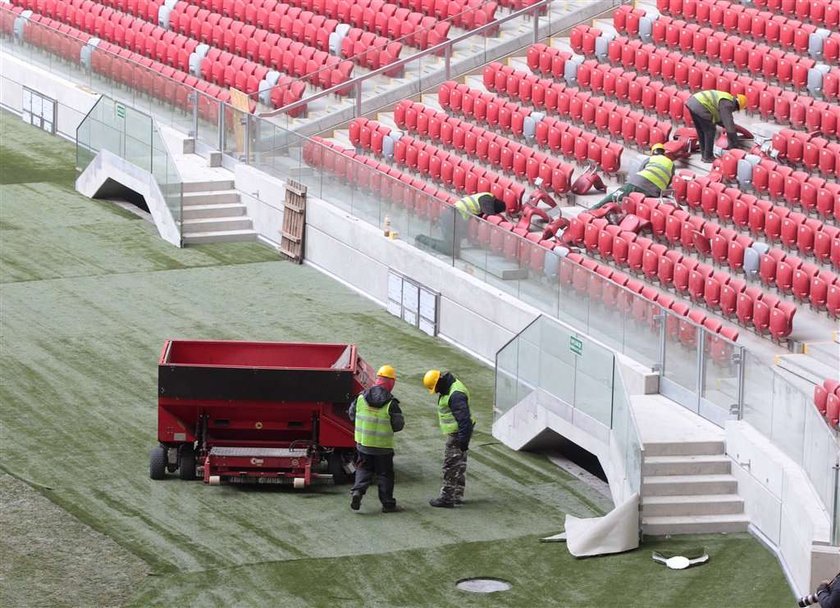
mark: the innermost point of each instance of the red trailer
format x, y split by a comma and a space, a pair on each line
256, 412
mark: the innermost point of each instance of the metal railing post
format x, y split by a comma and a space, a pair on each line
536, 17
194, 98
659, 366
248, 138
447, 58
221, 123
701, 363
834, 506
358, 93
739, 361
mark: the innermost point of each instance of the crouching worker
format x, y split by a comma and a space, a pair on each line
377, 415
454, 225
654, 176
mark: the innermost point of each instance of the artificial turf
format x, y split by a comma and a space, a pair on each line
89, 294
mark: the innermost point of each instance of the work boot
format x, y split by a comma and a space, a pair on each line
390, 508
459, 502
441, 502
355, 501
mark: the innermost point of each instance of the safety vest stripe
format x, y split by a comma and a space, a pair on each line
658, 171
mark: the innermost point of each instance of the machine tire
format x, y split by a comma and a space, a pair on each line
335, 466
186, 462
157, 463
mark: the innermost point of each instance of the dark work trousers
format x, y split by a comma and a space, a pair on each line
706, 132
454, 470
454, 231
381, 465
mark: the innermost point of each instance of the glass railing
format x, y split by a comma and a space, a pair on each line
133, 136
582, 374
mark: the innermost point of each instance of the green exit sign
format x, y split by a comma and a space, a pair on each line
119, 109
576, 345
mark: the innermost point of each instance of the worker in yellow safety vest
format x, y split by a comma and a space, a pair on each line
454, 226
377, 416
456, 423
709, 109
654, 176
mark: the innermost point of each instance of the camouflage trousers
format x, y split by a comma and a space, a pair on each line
454, 470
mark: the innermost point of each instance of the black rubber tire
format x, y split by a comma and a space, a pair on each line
157, 463
335, 466
186, 462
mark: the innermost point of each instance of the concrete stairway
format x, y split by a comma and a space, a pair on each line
687, 488
213, 213
818, 361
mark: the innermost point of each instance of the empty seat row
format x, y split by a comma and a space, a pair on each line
467, 14
281, 53
430, 160
782, 182
497, 150
557, 135
628, 296
812, 193
382, 179
778, 224
798, 148
144, 9
761, 311
769, 100
789, 274
578, 106
773, 64
820, 13
747, 22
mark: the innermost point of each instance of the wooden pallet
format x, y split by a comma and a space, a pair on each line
294, 221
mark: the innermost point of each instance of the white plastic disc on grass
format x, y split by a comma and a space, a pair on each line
678, 562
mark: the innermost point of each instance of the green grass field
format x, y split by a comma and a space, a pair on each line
89, 294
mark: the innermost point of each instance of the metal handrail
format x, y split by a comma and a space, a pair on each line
444, 48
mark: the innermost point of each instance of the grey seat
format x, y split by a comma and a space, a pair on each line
751, 260
744, 173
646, 29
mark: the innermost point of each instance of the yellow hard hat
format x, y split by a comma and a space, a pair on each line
387, 371
431, 378
742, 101
656, 147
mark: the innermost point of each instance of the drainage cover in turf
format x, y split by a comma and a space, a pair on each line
482, 585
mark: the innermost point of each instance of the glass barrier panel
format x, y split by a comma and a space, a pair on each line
593, 378
507, 379
557, 369
720, 374
819, 456
758, 394
682, 354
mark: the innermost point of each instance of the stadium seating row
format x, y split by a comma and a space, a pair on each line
761, 311
579, 106
720, 13
744, 55
312, 31
798, 148
745, 211
497, 150
803, 280
507, 116
440, 165
769, 100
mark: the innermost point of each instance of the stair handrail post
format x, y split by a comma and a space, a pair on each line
738, 357
834, 507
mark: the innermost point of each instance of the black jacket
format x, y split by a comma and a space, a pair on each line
378, 396
829, 595
459, 404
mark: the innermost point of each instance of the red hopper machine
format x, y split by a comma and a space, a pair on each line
257, 412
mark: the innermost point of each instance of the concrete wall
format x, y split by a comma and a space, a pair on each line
263, 196
472, 314
108, 166
783, 507
74, 101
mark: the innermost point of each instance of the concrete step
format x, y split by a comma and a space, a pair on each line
194, 212
827, 353
208, 186
221, 236
698, 504
214, 224
216, 197
688, 485
806, 367
684, 448
695, 524
715, 464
